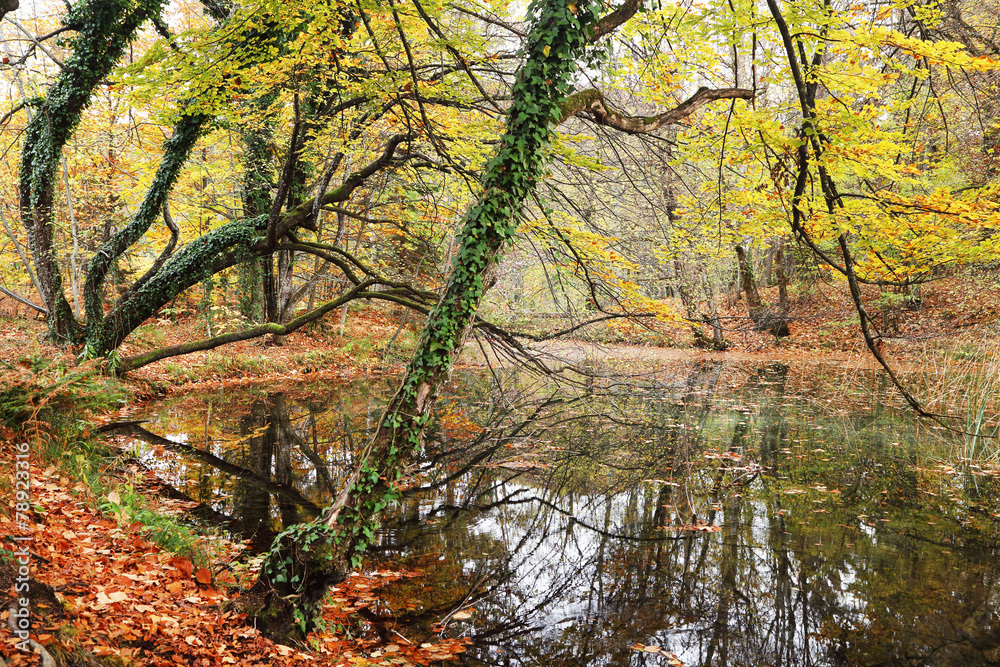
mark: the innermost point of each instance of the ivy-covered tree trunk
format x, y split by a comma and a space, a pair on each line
306, 559
104, 29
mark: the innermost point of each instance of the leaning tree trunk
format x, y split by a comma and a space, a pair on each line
308, 558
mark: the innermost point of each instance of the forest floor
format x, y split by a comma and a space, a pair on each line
105, 594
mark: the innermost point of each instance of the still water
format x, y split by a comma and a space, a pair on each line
709, 514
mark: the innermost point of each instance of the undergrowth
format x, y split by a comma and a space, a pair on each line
52, 408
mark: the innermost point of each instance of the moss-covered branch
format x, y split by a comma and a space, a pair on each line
140, 360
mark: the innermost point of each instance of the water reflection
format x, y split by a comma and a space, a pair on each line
722, 514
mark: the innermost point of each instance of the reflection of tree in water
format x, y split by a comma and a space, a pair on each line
571, 565
650, 513
267, 463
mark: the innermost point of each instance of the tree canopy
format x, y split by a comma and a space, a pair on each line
203, 142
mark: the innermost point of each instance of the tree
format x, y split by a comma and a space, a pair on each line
306, 559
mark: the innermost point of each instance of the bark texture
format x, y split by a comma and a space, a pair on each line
765, 318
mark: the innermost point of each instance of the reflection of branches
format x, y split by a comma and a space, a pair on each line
260, 535
279, 417
484, 454
133, 429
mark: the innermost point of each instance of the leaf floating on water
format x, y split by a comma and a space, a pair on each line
671, 658
702, 527
461, 616
722, 455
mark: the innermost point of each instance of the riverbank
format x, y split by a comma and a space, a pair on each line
102, 591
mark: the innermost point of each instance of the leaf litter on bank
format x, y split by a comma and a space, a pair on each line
122, 596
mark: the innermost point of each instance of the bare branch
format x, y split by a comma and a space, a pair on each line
591, 103
487, 19
37, 42
301, 214
612, 21
10, 114
24, 300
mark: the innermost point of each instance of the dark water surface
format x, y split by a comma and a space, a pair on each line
757, 514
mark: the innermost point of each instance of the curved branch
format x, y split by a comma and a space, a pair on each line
592, 103
140, 360
610, 22
340, 259
10, 114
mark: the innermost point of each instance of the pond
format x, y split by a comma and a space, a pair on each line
704, 514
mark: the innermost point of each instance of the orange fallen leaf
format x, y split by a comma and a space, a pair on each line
185, 566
